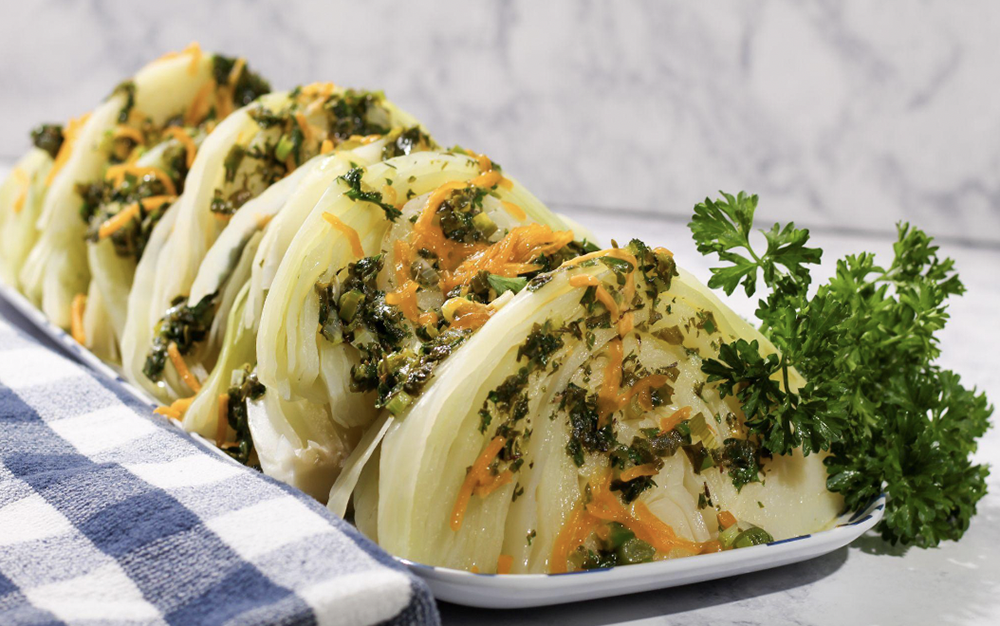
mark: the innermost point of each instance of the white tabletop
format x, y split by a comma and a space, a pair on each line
868, 582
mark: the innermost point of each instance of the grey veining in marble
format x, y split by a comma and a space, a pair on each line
840, 114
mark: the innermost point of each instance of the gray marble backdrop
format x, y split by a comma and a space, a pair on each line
847, 115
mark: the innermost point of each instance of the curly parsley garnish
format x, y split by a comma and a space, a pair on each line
890, 417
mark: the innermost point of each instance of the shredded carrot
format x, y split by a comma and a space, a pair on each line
656, 532
574, 532
488, 180
427, 235
726, 519
222, 428
643, 390
19, 201
115, 223
514, 211
307, 132
667, 424
364, 140
118, 221
662, 250
607, 395
406, 299
200, 105
616, 253
504, 563
503, 478
405, 295
478, 474
167, 412
318, 93
471, 316
625, 324
317, 89
185, 140
234, 74
474, 569
711, 546
603, 507
326, 147
128, 133
25, 182
510, 256
69, 138
76, 318
194, 49
182, 368
639, 470
427, 317
488, 176
176, 410
602, 295
117, 173
350, 233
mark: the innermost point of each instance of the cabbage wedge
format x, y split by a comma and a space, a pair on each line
586, 435
57, 271
21, 196
380, 275
277, 224
124, 207
248, 153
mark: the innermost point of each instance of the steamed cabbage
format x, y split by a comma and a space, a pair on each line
368, 276
587, 416
57, 271
21, 196
253, 149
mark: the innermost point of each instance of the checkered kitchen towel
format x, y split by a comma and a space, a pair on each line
109, 516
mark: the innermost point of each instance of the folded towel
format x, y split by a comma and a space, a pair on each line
110, 515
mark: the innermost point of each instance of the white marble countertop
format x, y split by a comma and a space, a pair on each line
868, 582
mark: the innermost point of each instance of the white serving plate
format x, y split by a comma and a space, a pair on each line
528, 590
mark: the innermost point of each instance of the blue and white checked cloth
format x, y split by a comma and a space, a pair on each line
109, 516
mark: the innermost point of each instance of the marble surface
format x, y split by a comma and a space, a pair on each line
837, 112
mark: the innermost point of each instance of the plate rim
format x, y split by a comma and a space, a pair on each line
510, 591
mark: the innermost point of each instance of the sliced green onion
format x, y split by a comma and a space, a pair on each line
284, 148
635, 551
399, 402
484, 224
349, 303
752, 537
700, 431
634, 410
618, 535
729, 535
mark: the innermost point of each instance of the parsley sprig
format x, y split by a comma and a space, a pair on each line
890, 418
